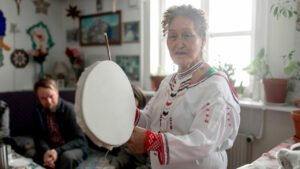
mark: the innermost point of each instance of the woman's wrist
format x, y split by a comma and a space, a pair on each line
153, 141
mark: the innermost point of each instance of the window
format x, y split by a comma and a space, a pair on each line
230, 35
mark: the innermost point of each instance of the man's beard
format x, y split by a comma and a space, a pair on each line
51, 108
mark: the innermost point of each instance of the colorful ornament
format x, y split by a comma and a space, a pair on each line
41, 6
41, 43
2, 34
73, 12
40, 37
19, 58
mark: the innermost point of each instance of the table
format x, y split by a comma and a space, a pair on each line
17, 161
268, 160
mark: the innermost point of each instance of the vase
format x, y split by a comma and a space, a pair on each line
275, 90
42, 73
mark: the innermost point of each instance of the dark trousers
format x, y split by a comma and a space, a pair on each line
68, 159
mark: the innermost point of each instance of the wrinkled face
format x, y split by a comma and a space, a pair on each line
48, 97
184, 43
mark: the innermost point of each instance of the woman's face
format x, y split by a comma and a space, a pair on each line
184, 43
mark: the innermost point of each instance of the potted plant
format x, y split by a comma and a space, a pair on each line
292, 69
274, 88
228, 69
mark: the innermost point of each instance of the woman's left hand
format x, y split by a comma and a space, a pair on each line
137, 140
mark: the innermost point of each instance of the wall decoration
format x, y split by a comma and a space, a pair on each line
131, 32
92, 28
41, 6
72, 35
130, 65
73, 12
41, 44
40, 37
2, 34
19, 58
99, 5
18, 2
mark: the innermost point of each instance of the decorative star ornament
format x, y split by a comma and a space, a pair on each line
73, 12
41, 6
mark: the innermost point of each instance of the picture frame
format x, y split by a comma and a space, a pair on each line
130, 65
93, 27
131, 32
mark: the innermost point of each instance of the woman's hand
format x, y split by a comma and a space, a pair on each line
137, 140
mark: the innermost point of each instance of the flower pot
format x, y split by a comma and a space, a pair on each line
296, 118
275, 90
155, 82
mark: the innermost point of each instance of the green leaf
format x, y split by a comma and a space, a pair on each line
275, 11
291, 67
284, 13
290, 14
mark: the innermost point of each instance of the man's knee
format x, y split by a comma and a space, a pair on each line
70, 159
68, 156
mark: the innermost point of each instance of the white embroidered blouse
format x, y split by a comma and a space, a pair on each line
198, 121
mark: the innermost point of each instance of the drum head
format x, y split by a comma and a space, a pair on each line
105, 104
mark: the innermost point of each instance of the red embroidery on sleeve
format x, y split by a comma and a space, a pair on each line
154, 142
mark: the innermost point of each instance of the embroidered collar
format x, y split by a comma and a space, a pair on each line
191, 70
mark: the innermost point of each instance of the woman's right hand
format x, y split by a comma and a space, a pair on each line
137, 140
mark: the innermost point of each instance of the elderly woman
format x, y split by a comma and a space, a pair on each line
194, 116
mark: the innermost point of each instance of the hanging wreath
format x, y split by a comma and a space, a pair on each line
19, 58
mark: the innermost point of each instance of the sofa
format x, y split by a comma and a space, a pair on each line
22, 105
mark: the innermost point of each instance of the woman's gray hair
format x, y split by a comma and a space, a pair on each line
196, 15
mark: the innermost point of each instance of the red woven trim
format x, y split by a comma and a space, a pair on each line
161, 152
154, 142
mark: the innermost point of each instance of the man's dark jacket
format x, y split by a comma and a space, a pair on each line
66, 120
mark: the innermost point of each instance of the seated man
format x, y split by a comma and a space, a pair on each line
60, 143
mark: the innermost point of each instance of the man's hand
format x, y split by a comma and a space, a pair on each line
137, 140
50, 157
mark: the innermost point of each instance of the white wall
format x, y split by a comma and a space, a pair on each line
12, 78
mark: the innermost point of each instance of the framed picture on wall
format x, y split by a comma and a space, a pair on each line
131, 32
93, 27
130, 65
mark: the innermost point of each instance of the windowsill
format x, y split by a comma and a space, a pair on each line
261, 105
248, 103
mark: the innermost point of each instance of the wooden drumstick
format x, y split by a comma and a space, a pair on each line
107, 46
